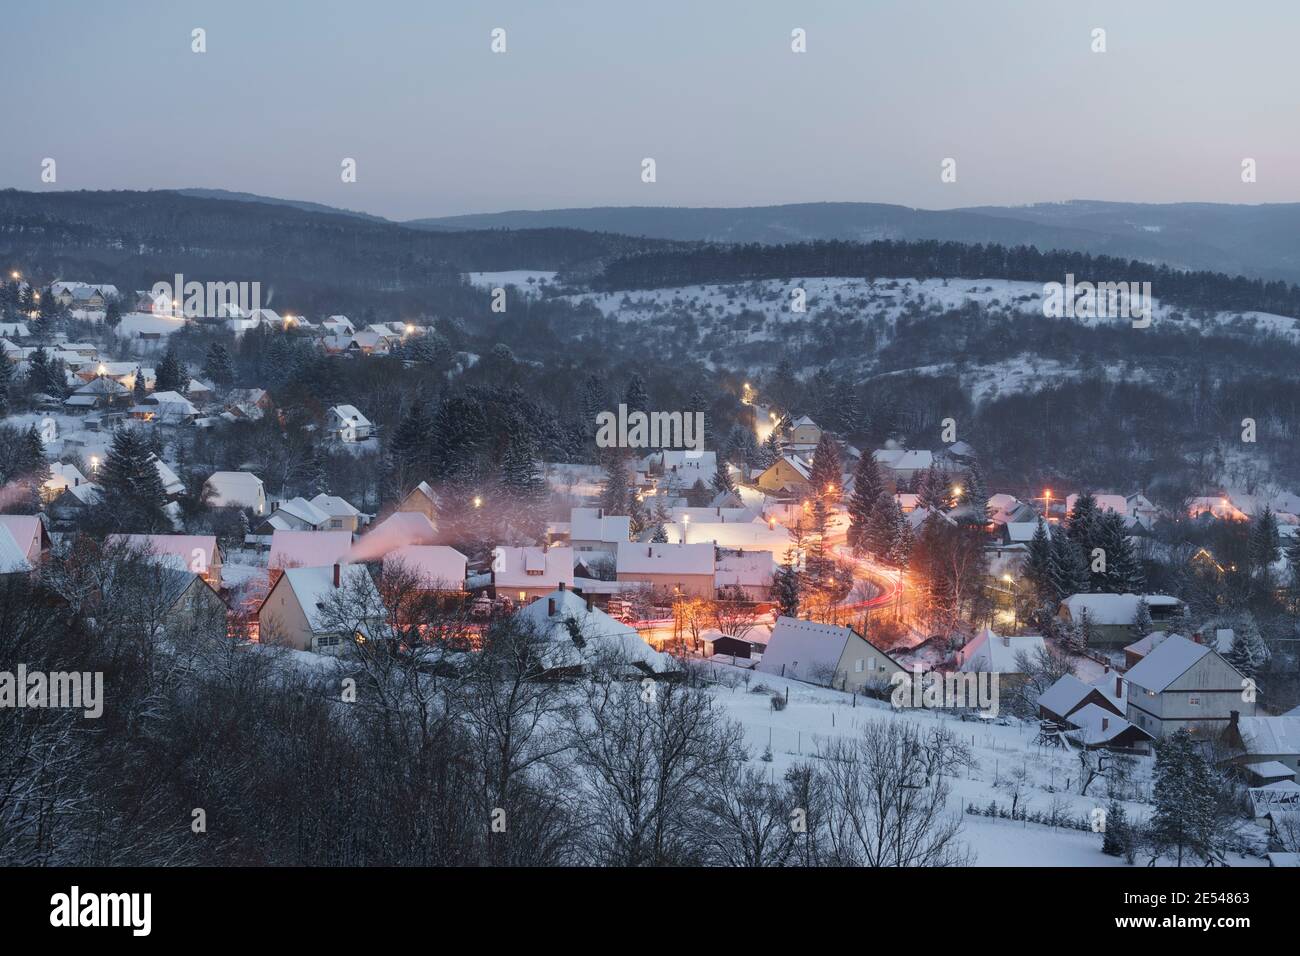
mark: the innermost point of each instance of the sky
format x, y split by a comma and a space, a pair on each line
439, 124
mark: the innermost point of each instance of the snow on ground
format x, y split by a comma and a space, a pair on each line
530, 281
817, 714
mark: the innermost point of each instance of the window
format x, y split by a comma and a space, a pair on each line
857, 665
1193, 700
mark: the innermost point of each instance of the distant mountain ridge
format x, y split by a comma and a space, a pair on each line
1261, 241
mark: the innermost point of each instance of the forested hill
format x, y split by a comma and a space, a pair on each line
133, 239
929, 259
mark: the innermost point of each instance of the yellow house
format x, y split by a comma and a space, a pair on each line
790, 474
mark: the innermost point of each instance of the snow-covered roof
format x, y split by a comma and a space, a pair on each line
335, 506
900, 459
147, 323
1096, 725
1064, 695
805, 650
350, 414
303, 510
308, 549
637, 558
13, 559
1110, 609
1115, 503
532, 567
997, 653
189, 552
592, 524
1270, 735
436, 565
751, 569
313, 586
1022, 532
1167, 662
239, 488
602, 637
753, 536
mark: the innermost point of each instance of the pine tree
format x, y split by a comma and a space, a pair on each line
1249, 653
138, 390
976, 495
217, 365
457, 438
882, 529
1039, 565
1118, 837
867, 486
825, 475
614, 493
933, 491
1263, 547
6, 379
1123, 574
1069, 568
1142, 624
171, 375
722, 482
133, 495
1185, 794
112, 312
786, 587
847, 411
773, 449
1081, 526
636, 397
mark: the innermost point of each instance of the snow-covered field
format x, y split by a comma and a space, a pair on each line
530, 281
1051, 775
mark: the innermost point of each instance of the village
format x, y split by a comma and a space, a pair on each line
808, 564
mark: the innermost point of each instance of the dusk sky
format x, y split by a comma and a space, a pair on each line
440, 125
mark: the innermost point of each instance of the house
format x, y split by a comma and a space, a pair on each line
29, 536
99, 392
826, 654
370, 343
745, 575
1223, 640
1094, 727
338, 325
990, 653
190, 601
682, 469
1070, 694
13, 559
1267, 748
590, 529
298, 611
342, 514
751, 536
148, 327
716, 644
236, 489
1184, 685
1006, 509
83, 295
296, 514
668, 569
525, 574
1141, 510
1110, 616
167, 408
346, 424
61, 476
435, 567
248, 404
804, 431
899, 465
171, 482
421, 500
308, 549
73, 502
789, 476
196, 553
574, 635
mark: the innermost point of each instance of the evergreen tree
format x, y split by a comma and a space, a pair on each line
932, 493
217, 365
883, 527
133, 494
773, 449
786, 587
519, 475
825, 475
1142, 624
976, 495
1264, 543
1039, 567
1069, 568
1186, 796
660, 535
457, 438
1249, 653
1081, 526
847, 417
722, 482
867, 486
614, 493
138, 390
1118, 837
636, 397
170, 375
1123, 574
112, 312
6, 379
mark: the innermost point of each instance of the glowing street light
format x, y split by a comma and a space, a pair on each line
94, 463
478, 502
15, 275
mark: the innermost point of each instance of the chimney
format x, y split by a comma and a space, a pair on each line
1119, 686
1006, 640
338, 575
590, 601
1105, 668
561, 585
1197, 638
1105, 723
650, 551
600, 512
1233, 717
550, 607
